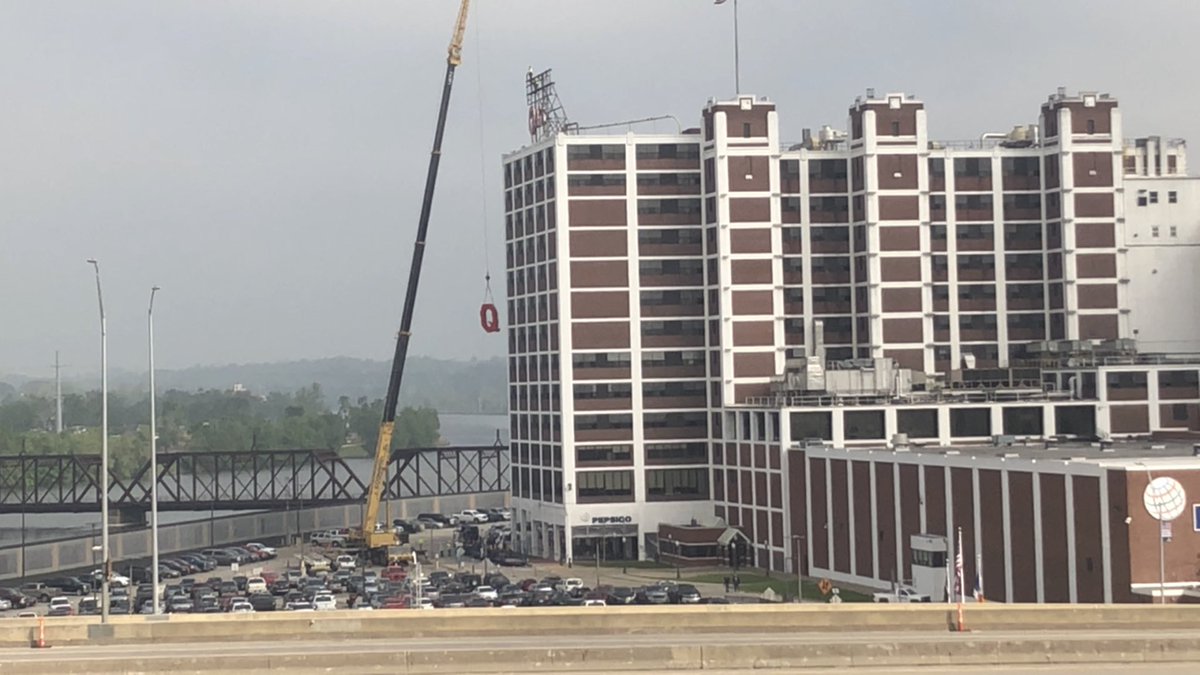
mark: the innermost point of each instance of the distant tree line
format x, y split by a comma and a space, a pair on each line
205, 421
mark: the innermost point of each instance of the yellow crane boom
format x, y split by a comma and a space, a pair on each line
367, 536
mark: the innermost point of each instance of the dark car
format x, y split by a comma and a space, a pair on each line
510, 559
168, 572
684, 594
436, 520
89, 607
621, 595
261, 602
18, 599
280, 587
406, 526
70, 585
203, 563
653, 595
240, 582
227, 589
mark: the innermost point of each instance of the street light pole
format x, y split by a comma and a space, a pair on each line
153, 459
105, 571
1162, 565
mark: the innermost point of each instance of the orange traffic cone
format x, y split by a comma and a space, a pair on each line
40, 642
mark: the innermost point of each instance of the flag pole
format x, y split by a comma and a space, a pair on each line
979, 577
958, 563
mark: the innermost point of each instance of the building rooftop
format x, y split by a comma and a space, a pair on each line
1131, 454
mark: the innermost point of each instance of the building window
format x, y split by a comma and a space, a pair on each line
863, 425
1174, 231
594, 152
603, 454
745, 130
1141, 198
1091, 126
676, 484
602, 486
1153, 196
895, 128
1172, 197
689, 151
1154, 231
676, 453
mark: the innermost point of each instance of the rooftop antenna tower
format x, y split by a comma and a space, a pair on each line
546, 114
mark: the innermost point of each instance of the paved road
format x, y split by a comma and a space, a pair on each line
201, 650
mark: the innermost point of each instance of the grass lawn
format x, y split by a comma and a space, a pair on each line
783, 585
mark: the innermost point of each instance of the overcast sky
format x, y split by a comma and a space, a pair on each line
263, 161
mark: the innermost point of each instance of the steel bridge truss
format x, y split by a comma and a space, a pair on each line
271, 479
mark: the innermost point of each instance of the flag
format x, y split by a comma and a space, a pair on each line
958, 568
978, 578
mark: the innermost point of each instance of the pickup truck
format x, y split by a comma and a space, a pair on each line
900, 594
471, 516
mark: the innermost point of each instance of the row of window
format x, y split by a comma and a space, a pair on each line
918, 423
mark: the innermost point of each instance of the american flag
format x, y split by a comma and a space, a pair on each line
958, 568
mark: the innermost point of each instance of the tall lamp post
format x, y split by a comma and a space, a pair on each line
798, 539
105, 571
153, 460
1162, 566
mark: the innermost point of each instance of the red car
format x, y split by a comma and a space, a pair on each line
395, 573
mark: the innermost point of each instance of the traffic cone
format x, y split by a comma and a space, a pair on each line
40, 642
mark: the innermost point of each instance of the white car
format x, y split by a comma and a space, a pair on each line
424, 603
241, 607
487, 593
471, 516
114, 579
256, 585
900, 594
595, 603
60, 601
572, 584
5, 604
324, 601
345, 562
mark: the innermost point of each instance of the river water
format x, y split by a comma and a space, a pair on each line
456, 429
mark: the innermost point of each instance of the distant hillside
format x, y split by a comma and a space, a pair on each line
466, 386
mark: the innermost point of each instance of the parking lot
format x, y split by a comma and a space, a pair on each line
309, 576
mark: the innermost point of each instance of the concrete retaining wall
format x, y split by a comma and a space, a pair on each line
49, 557
797, 619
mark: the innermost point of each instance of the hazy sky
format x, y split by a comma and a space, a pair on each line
263, 161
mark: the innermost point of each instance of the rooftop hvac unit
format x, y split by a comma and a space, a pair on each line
1004, 441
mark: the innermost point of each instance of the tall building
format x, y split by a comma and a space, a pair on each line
684, 308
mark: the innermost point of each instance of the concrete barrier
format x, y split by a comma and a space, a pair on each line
719, 657
793, 619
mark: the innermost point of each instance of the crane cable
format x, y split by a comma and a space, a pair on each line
489, 316
487, 263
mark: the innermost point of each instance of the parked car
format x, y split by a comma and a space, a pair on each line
900, 593
268, 551
180, 605
684, 594
299, 606
263, 603
328, 538
471, 516
653, 595
405, 526
221, 556
88, 606
621, 595
436, 520
241, 607
70, 585
256, 585
345, 562
39, 590
18, 599
324, 601
60, 605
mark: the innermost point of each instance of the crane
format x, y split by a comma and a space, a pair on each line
367, 536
